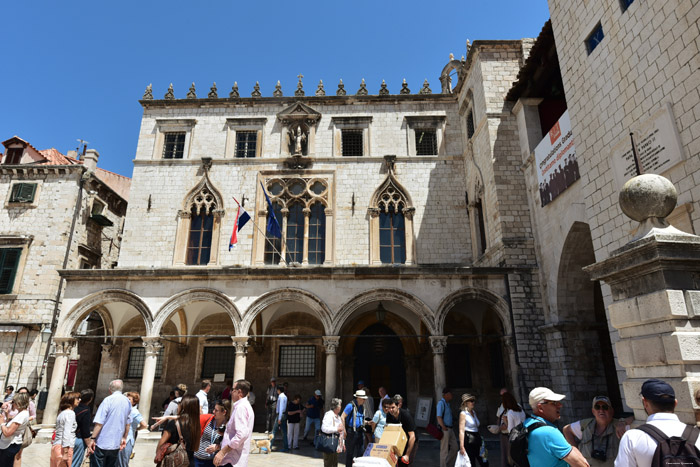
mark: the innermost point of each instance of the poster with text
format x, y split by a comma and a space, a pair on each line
555, 159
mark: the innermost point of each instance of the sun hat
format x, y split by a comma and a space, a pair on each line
360, 394
538, 395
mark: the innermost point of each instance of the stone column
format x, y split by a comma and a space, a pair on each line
153, 346
64, 347
283, 249
241, 345
330, 239
331, 345
107, 372
305, 245
439, 344
410, 246
656, 297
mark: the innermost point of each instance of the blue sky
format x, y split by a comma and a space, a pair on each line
77, 69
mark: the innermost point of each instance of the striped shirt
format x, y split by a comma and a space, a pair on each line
209, 437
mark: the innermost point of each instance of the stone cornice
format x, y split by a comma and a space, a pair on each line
265, 160
316, 272
39, 169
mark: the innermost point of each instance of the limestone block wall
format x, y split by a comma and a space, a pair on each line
648, 57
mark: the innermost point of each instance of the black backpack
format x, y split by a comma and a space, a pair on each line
519, 444
674, 450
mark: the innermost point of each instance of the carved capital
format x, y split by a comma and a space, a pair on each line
218, 213
107, 350
64, 346
438, 344
373, 212
331, 343
262, 212
285, 212
409, 212
328, 211
152, 346
184, 214
240, 343
306, 212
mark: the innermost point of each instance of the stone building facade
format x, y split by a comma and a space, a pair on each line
58, 212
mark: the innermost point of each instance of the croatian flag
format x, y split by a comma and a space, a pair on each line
242, 217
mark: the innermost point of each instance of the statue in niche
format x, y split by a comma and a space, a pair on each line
297, 137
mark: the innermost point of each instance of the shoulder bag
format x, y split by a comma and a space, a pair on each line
173, 455
327, 442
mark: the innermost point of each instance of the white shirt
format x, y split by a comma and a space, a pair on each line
22, 419
331, 422
637, 448
203, 402
516, 418
172, 407
471, 422
281, 405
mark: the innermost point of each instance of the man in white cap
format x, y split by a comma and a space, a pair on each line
313, 413
354, 419
546, 444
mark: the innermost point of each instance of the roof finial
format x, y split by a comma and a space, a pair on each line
341, 89
192, 94
320, 91
363, 89
256, 90
212, 92
169, 94
234, 91
148, 95
383, 90
426, 88
404, 88
300, 86
278, 90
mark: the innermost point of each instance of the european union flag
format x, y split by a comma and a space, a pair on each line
273, 227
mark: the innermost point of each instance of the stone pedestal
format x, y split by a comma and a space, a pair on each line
655, 284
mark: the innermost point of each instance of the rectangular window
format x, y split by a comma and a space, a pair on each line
297, 360
351, 143
23, 193
426, 142
246, 143
13, 156
218, 360
594, 38
624, 4
9, 260
137, 357
470, 124
174, 145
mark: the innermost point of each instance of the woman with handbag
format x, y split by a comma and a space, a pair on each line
212, 434
513, 415
331, 435
180, 438
64, 439
12, 428
469, 437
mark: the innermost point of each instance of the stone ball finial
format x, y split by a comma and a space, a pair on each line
646, 196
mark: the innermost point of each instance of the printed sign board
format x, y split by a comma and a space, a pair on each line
555, 159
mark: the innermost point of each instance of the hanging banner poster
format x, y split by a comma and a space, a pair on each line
555, 159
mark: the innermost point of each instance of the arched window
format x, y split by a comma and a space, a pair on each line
300, 206
317, 234
392, 235
391, 224
199, 226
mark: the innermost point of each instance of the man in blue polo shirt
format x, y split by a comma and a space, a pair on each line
313, 413
547, 446
448, 443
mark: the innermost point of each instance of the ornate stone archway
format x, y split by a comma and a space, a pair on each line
314, 303
176, 302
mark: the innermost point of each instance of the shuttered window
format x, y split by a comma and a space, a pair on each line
23, 193
9, 260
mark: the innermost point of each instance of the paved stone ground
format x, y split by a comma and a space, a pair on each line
37, 455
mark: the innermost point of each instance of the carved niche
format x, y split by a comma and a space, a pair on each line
299, 122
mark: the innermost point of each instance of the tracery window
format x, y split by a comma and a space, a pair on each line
301, 209
391, 224
199, 222
392, 235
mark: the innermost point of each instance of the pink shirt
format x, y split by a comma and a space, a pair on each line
239, 431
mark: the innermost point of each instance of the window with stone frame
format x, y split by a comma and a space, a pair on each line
9, 264
391, 224
246, 143
13, 156
136, 360
199, 246
470, 124
351, 136
297, 361
425, 133
174, 145
352, 143
217, 360
23, 193
426, 142
300, 205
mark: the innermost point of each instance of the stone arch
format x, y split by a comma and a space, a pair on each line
181, 299
472, 293
408, 301
322, 311
446, 79
97, 302
574, 288
204, 195
391, 192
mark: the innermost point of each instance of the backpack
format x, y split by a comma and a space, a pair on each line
674, 450
518, 442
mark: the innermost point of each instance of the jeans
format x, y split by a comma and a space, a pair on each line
270, 419
78, 452
104, 457
282, 423
317, 425
354, 444
204, 462
124, 454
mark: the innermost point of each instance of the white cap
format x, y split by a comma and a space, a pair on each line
317, 392
360, 394
538, 395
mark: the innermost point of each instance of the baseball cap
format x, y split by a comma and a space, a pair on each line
317, 392
446, 390
538, 395
656, 390
273, 379
360, 382
360, 394
597, 399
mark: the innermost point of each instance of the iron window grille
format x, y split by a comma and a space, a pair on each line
23, 193
246, 143
174, 145
297, 360
218, 360
426, 142
137, 358
352, 142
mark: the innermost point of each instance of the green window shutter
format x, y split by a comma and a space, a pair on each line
9, 259
23, 193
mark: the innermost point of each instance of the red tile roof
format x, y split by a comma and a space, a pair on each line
54, 157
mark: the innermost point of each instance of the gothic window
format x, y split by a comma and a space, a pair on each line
300, 207
477, 222
470, 124
391, 225
199, 222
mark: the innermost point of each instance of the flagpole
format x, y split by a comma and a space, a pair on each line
264, 234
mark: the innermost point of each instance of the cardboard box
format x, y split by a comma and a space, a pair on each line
394, 435
382, 451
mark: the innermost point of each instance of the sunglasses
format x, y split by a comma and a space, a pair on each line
601, 407
554, 403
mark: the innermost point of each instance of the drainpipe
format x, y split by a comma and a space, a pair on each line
57, 302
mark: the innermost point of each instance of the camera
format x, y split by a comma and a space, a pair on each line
599, 454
